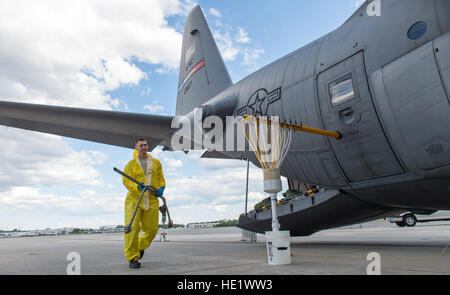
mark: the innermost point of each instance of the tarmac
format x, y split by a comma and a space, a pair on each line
423, 249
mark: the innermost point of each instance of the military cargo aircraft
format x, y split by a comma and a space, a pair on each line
382, 80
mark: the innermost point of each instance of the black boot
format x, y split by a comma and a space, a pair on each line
142, 254
134, 263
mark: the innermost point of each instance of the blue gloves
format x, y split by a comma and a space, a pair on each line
160, 191
141, 187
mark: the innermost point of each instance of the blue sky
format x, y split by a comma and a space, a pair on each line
124, 56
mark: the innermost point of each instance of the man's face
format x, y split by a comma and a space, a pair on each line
142, 147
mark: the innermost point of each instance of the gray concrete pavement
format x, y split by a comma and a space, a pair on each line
423, 249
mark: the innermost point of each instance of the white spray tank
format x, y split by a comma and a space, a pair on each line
278, 242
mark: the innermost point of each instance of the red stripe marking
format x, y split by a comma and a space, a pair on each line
197, 67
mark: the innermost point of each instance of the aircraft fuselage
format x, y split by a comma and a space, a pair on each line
384, 87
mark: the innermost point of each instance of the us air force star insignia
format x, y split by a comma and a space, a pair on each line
259, 101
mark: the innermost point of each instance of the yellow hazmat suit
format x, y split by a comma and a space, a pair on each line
147, 215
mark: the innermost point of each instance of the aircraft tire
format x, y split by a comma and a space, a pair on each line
409, 220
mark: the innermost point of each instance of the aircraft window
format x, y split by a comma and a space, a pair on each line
417, 30
341, 90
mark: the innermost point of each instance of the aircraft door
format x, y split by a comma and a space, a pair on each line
346, 106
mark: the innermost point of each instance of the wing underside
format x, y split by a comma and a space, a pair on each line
108, 127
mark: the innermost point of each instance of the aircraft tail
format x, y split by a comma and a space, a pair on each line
202, 71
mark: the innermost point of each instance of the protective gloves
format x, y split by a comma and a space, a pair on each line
160, 191
141, 187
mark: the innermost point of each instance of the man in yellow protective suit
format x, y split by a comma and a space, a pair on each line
147, 170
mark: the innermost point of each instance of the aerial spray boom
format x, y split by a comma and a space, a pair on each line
296, 127
270, 143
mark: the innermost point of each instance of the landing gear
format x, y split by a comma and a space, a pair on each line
409, 220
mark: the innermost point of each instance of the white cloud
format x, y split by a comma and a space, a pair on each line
81, 203
173, 164
251, 55
71, 53
98, 157
215, 12
226, 46
242, 36
30, 208
240, 46
217, 194
165, 70
157, 152
118, 72
154, 107
215, 187
30, 158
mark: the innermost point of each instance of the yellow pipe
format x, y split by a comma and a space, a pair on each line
336, 135
302, 128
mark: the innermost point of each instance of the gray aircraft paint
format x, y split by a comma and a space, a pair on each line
395, 150
197, 82
298, 72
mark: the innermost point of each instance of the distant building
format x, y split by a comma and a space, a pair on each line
39, 232
111, 228
202, 225
64, 231
107, 228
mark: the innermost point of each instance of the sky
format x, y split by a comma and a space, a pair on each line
124, 56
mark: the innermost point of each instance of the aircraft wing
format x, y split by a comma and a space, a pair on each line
109, 127
216, 155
